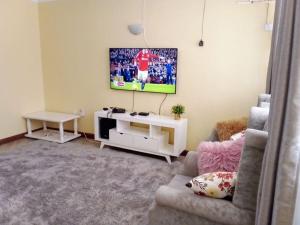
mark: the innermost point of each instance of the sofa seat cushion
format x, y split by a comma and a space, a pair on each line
216, 210
161, 215
179, 181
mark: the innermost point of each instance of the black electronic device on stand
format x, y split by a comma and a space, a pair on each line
143, 114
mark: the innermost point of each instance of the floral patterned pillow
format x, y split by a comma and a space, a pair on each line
215, 185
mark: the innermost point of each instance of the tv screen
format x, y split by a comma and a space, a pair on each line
144, 69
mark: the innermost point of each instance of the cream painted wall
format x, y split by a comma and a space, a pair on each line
217, 82
21, 76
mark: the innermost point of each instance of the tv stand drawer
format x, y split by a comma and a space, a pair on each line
145, 143
120, 138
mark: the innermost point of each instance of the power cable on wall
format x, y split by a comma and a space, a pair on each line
162, 104
144, 24
133, 100
201, 43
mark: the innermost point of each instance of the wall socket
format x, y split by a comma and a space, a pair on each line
79, 112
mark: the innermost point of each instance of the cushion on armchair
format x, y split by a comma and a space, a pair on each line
219, 156
226, 129
215, 185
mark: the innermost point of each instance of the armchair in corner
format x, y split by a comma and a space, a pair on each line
177, 205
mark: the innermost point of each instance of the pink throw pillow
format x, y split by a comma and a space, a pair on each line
220, 156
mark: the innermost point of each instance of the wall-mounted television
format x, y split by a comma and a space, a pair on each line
144, 69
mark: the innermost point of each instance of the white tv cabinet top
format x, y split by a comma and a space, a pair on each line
151, 119
153, 134
51, 116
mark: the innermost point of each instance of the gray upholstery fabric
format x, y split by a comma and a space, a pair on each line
280, 172
258, 117
179, 181
249, 171
217, 210
190, 164
162, 215
263, 98
213, 136
265, 105
178, 205
266, 126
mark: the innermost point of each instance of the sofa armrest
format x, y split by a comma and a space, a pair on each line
246, 189
256, 138
217, 210
190, 164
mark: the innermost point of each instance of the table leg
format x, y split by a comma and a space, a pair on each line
75, 127
168, 158
61, 132
44, 125
102, 145
29, 130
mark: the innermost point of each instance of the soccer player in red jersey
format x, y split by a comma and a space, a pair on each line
142, 59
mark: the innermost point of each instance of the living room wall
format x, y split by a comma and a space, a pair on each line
20, 65
219, 81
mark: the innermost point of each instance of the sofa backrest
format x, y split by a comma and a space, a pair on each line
251, 160
264, 100
258, 118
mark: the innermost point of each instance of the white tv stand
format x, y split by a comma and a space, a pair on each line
150, 134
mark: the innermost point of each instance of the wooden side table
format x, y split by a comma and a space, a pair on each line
59, 136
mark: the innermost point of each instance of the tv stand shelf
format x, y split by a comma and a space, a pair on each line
153, 134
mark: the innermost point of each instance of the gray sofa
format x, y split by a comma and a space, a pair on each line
264, 100
176, 204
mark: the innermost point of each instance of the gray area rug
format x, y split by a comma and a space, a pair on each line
76, 183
